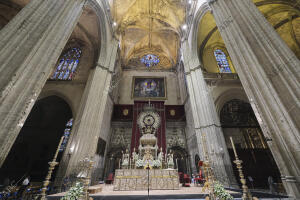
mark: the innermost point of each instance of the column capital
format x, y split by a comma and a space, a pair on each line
193, 69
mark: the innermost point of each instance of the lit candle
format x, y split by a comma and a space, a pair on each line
57, 150
234, 150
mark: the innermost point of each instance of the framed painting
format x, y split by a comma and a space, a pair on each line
148, 87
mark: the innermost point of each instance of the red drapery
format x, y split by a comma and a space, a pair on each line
161, 132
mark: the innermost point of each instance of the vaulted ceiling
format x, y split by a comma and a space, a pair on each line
149, 27
283, 15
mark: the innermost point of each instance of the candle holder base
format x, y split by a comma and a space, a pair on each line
246, 193
52, 165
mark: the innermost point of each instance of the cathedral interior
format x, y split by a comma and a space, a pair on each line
211, 71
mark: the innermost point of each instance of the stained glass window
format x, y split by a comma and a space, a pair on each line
66, 135
67, 65
222, 61
150, 60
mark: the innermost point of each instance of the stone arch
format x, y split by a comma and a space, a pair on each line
203, 9
82, 36
294, 32
228, 95
68, 100
105, 28
100, 8
38, 139
239, 122
206, 38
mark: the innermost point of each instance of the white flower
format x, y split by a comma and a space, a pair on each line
74, 193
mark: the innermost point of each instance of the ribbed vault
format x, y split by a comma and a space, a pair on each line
149, 27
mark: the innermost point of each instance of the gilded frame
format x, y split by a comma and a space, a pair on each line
148, 77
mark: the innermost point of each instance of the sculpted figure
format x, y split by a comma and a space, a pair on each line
170, 160
135, 156
160, 156
125, 159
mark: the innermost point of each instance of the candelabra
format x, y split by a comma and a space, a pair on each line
52, 164
209, 183
246, 193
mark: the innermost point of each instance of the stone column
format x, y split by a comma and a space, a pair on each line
88, 125
269, 72
30, 45
206, 120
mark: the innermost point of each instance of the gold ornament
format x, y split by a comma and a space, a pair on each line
172, 112
125, 112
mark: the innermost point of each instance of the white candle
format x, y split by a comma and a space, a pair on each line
234, 150
57, 150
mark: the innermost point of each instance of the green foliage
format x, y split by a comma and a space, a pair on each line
74, 193
221, 193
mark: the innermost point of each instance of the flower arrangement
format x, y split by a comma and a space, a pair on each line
139, 163
221, 193
156, 163
74, 193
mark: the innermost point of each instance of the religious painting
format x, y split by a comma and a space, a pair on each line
149, 88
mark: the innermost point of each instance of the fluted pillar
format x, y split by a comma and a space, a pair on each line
30, 45
206, 120
269, 72
88, 126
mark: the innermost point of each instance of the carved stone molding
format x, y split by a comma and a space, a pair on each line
194, 69
105, 68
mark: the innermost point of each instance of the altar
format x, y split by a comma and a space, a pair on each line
137, 179
150, 167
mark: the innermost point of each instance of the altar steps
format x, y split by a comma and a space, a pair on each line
151, 198
261, 196
191, 193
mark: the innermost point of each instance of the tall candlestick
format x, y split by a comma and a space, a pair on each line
52, 164
246, 193
234, 150
57, 150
